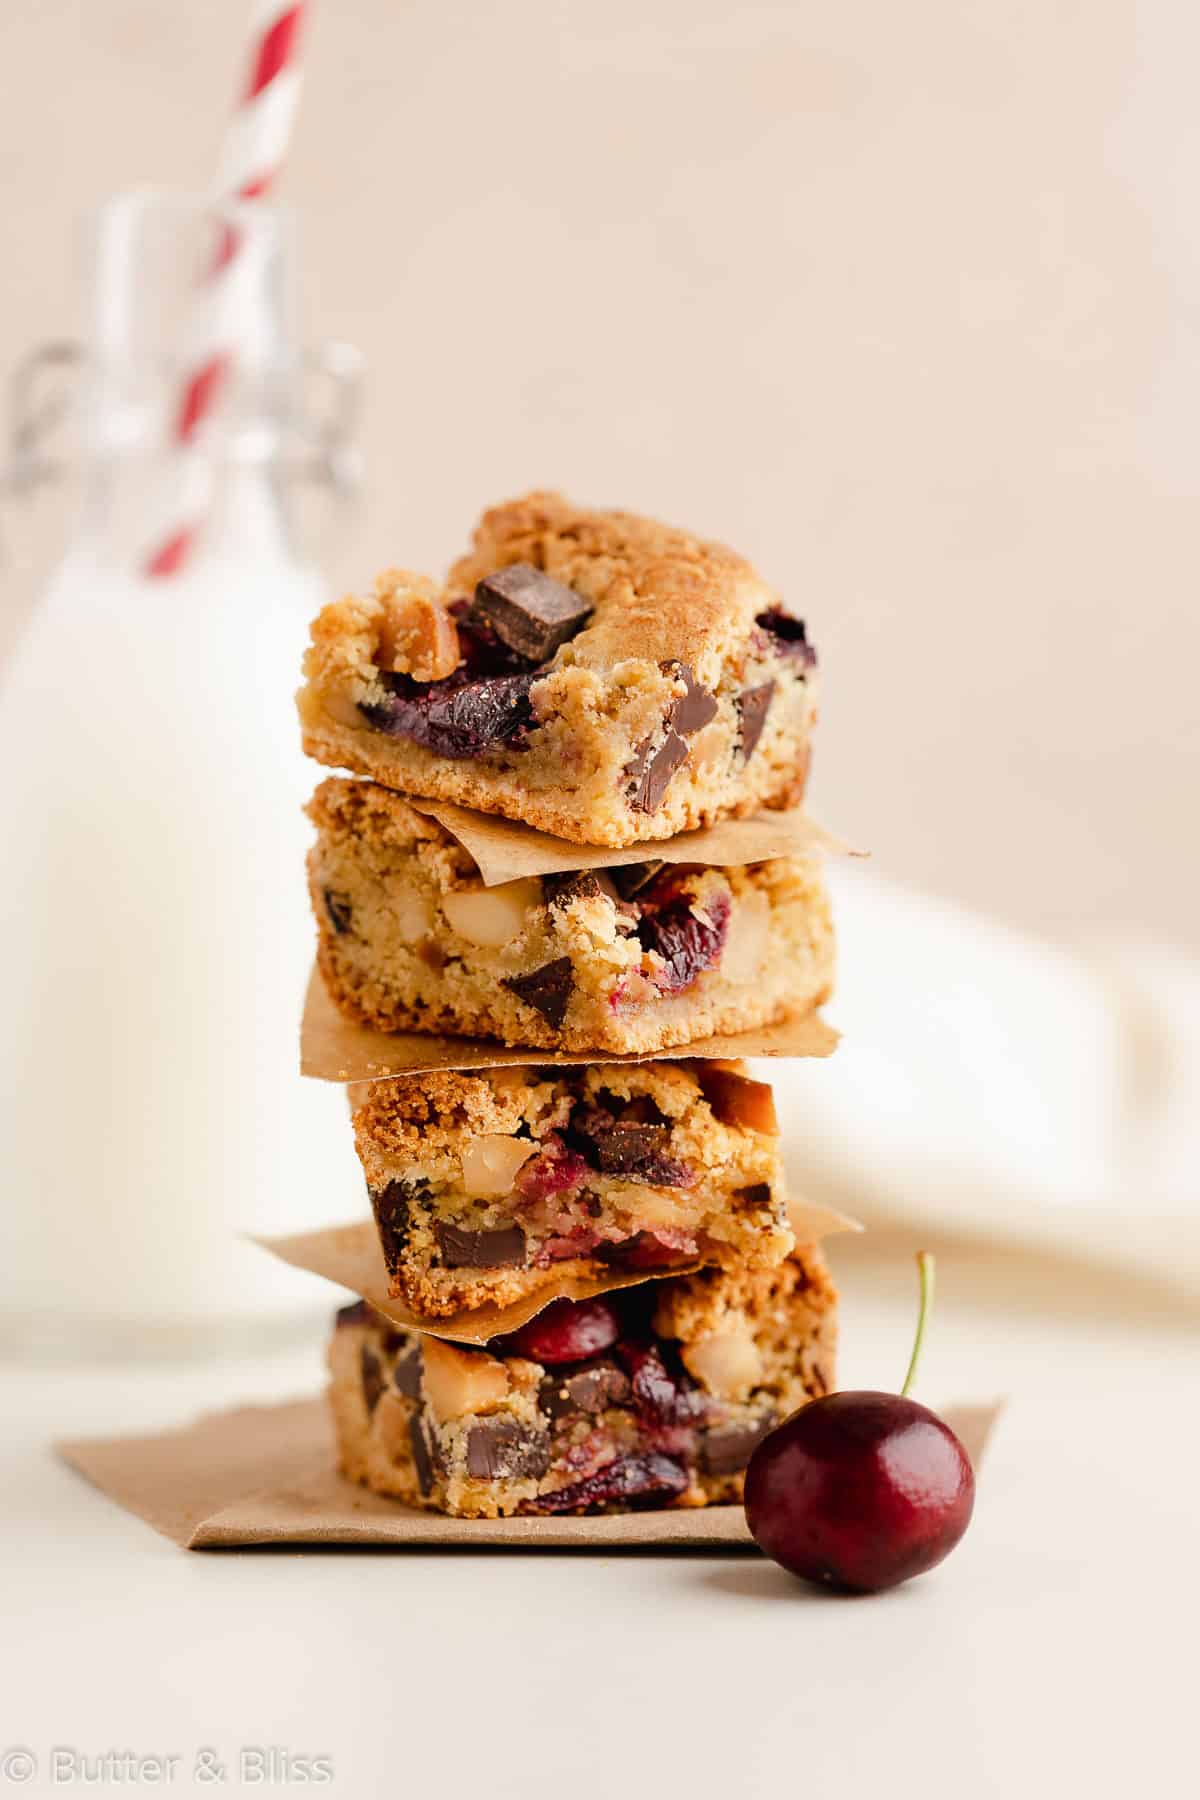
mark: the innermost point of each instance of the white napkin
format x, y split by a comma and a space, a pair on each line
993, 1084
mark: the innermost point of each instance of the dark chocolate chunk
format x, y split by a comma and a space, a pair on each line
724, 1449
697, 707
461, 1249
339, 909
357, 1313
628, 1479
790, 637
503, 1448
420, 1452
390, 1205
483, 653
634, 877
548, 989
406, 1376
579, 884
650, 772
753, 706
529, 611
759, 1194
372, 1376
621, 1147
453, 718
587, 1390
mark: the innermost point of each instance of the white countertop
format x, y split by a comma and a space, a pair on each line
1054, 1651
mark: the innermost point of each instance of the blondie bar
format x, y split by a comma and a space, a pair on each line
599, 676
654, 1396
634, 959
490, 1187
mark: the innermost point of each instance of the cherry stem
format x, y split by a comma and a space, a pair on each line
925, 1267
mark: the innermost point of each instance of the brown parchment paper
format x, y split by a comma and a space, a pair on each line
333, 1048
350, 1256
505, 850
263, 1475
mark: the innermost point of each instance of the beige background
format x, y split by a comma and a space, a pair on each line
901, 300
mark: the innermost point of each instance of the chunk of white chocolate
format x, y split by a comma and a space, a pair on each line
492, 917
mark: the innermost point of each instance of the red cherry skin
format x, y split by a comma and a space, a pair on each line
566, 1331
859, 1491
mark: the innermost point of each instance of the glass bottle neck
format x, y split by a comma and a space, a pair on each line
129, 495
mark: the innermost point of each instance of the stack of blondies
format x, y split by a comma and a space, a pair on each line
618, 1197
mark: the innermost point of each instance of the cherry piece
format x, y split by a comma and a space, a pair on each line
628, 1480
567, 1331
657, 1396
861, 1491
554, 1170
455, 718
688, 944
788, 635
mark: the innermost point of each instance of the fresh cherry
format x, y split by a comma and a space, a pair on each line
567, 1331
861, 1491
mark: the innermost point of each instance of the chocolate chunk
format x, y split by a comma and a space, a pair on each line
724, 1449
390, 1205
579, 884
697, 706
626, 1148
456, 719
357, 1313
420, 1453
406, 1376
628, 1479
650, 772
753, 705
634, 877
529, 611
460, 1249
503, 1448
759, 1194
548, 989
483, 653
339, 909
791, 639
587, 1390
372, 1376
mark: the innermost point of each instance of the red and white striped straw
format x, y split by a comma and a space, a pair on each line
254, 151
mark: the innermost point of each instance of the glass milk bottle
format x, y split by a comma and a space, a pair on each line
153, 915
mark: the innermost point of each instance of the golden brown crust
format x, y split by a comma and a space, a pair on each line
659, 592
362, 810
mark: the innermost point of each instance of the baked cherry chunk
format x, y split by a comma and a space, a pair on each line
455, 718
789, 634
687, 938
566, 1331
626, 1481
